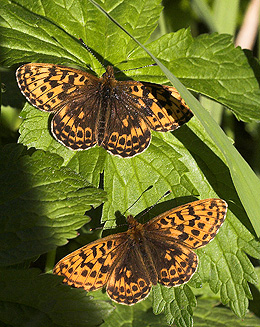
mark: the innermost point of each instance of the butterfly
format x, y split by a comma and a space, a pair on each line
159, 251
89, 111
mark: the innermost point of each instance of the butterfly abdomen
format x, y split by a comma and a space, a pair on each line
104, 110
137, 239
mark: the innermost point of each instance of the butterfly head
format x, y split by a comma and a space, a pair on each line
135, 229
109, 73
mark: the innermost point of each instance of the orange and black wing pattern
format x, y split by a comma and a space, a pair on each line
130, 280
88, 110
173, 235
68, 93
138, 108
160, 251
111, 262
160, 105
193, 224
91, 266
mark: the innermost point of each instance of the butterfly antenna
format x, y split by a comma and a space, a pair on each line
139, 197
126, 70
90, 51
148, 188
164, 195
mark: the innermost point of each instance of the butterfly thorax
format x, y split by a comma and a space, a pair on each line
135, 230
108, 82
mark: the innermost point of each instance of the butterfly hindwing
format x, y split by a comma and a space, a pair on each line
130, 282
126, 132
174, 263
75, 125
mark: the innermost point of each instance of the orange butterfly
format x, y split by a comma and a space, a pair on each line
159, 251
117, 115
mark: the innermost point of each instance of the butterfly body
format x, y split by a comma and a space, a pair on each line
135, 229
159, 251
89, 111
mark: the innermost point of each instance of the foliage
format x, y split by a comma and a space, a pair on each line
47, 188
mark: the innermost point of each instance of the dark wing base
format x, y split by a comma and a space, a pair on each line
129, 283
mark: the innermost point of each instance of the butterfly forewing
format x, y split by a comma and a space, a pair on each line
90, 266
47, 86
194, 224
70, 94
160, 105
169, 109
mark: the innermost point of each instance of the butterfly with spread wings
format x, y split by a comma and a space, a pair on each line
159, 251
89, 111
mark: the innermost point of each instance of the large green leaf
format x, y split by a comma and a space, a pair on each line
29, 298
206, 65
207, 313
134, 316
223, 263
159, 166
246, 182
42, 203
33, 134
55, 29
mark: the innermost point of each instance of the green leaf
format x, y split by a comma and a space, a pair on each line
33, 134
160, 166
254, 305
222, 263
208, 313
219, 47
55, 29
245, 181
134, 316
29, 298
10, 119
205, 65
89, 164
120, 175
189, 161
226, 267
176, 303
42, 203
23, 33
